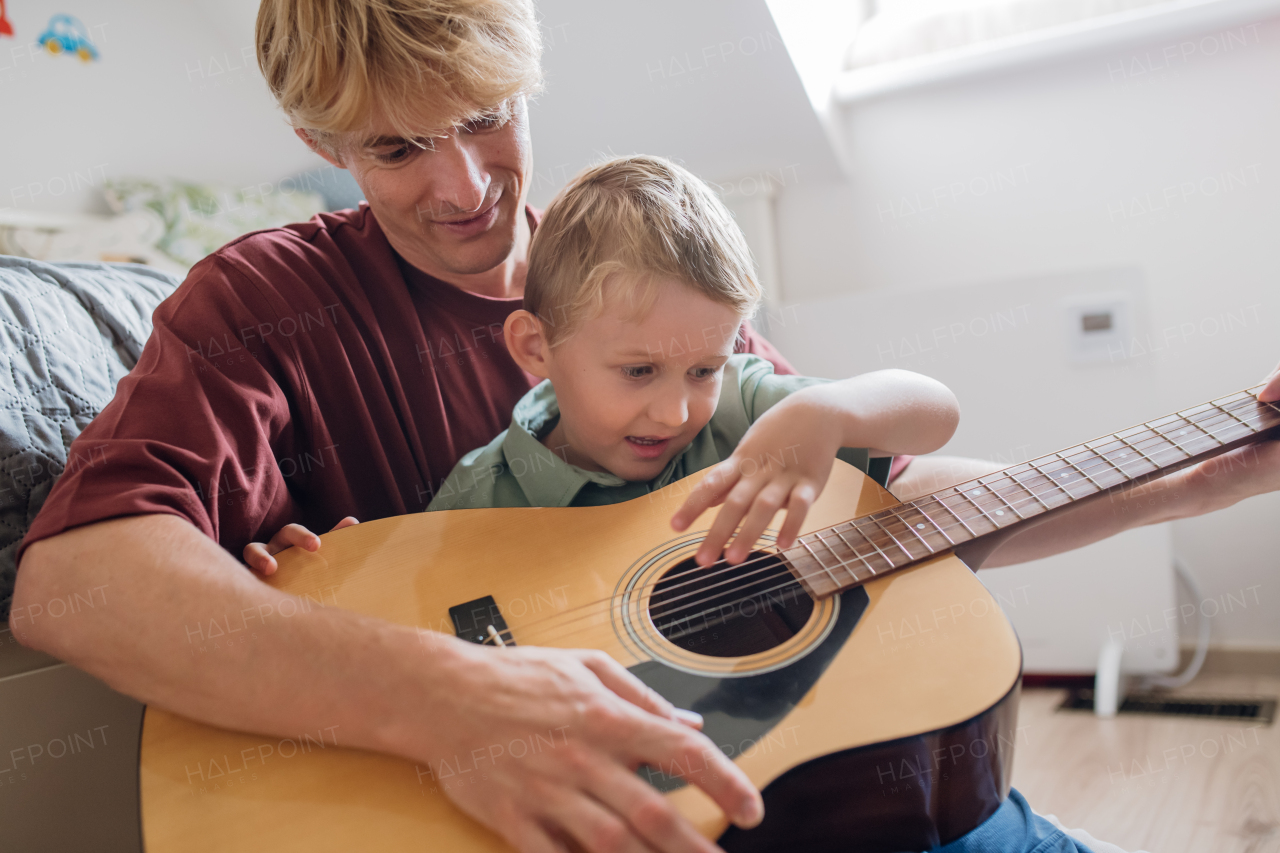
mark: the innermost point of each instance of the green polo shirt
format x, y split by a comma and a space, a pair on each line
517, 470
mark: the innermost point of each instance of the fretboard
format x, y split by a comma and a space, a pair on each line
853, 552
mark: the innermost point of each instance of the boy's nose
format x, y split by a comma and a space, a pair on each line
670, 410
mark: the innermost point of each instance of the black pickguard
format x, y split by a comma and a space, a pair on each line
738, 712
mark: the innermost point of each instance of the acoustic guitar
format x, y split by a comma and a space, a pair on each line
864, 679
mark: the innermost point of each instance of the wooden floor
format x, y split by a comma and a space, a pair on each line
1160, 784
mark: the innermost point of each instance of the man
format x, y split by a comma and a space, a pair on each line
340, 367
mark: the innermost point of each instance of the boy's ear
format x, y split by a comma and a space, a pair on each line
527, 343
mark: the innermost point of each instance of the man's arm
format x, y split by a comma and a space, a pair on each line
384, 687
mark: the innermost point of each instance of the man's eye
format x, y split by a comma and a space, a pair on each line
637, 372
394, 156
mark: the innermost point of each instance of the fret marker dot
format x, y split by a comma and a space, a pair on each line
976, 492
1182, 432
1064, 474
999, 512
920, 526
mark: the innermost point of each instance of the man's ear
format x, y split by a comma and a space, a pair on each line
319, 149
527, 342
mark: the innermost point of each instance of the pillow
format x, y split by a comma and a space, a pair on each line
200, 218
68, 333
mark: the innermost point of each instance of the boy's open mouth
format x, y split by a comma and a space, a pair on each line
647, 447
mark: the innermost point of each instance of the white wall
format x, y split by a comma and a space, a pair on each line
176, 93
971, 197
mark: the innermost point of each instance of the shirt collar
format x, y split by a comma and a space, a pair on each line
543, 474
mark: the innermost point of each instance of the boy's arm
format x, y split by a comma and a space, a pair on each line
890, 411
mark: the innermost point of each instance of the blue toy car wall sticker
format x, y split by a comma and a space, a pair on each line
66, 34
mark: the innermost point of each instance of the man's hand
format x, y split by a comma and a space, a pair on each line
783, 461
542, 746
260, 557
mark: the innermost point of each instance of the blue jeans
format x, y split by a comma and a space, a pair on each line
1014, 828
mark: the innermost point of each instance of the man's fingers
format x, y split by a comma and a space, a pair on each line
1271, 392
594, 827
349, 521
293, 534
711, 491
257, 558
702, 764
646, 811
615, 676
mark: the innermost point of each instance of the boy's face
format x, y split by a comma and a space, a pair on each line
634, 391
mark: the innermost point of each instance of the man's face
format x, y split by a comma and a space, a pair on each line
453, 208
633, 392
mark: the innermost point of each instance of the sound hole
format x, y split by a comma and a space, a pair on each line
730, 611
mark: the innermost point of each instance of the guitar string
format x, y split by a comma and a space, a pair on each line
1155, 436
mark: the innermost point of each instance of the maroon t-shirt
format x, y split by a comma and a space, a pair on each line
300, 374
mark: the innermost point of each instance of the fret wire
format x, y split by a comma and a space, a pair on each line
855, 553
1232, 414
1196, 426
909, 526
1105, 458
1070, 496
1030, 491
1139, 452
964, 493
891, 536
1165, 438
818, 560
843, 564
936, 525
954, 515
873, 543
996, 492
1101, 488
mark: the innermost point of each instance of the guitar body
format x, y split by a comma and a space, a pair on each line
882, 718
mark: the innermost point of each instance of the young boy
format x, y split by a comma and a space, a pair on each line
637, 285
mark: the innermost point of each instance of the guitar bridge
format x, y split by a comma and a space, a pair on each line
480, 621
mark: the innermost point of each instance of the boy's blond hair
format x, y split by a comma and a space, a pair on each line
425, 65
629, 222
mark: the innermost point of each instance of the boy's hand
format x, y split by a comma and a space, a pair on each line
783, 462
259, 556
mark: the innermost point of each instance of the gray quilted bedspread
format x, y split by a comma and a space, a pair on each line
70, 331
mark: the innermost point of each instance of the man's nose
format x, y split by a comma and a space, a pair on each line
459, 181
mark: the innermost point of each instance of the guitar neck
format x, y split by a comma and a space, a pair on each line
985, 509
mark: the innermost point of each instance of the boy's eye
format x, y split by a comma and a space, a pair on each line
637, 372
704, 372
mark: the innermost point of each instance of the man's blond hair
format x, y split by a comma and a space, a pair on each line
633, 221
332, 64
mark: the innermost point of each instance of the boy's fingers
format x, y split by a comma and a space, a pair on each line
797, 508
257, 558
711, 491
293, 534
349, 521
736, 505
765, 506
